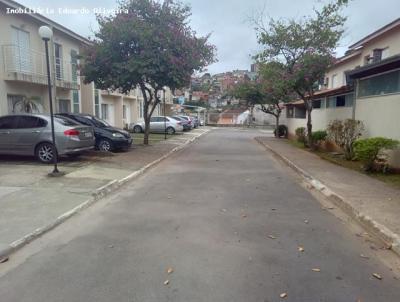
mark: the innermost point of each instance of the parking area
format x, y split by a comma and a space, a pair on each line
29, 198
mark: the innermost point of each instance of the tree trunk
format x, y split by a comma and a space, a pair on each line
309, 126
277, 126
146, 129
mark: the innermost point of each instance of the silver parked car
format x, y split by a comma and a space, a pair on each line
159, 124
31, 135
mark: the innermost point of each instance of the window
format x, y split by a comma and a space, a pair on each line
331, 102
8, 122
377, 55
335, 82
96, 103
21, 46
385, 53
340, 101
104, 111
26, 122
349, 100
299, 112
124, 111
74, 66
75, 101
317, 104
64, 106
289, 112
58, 61
380, 85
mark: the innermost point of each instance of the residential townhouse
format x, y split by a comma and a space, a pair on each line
364, 84
23, 74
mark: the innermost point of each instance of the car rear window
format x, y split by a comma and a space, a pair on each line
65, 121
26, 122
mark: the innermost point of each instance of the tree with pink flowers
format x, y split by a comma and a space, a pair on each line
147, 44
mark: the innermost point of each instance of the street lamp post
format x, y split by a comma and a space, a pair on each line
165, 118
46, 33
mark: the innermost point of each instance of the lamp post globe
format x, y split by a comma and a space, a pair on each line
45, 32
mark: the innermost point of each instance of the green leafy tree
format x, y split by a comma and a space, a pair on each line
149, 45
305, 48
275, 88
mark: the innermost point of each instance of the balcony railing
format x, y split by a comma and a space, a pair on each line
26, 65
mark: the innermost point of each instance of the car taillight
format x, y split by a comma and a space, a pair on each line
71, 132
190, 122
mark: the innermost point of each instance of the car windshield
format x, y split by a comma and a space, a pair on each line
176, 118
65, 121
98, 122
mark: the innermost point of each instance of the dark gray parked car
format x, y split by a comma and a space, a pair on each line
31, 135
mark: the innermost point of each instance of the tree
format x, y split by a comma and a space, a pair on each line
269, 91
149, 45
276, 88
250, 92
305, 48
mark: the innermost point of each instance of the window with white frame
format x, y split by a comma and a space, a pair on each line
75, 101
104, 111
96, 103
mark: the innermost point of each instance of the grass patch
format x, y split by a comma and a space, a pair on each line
391, 179
153, 137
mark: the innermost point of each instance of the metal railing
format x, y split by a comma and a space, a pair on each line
27, 65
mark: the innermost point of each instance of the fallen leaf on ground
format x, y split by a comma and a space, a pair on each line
223, 210
166, 282
363, 256
330, 208
316, 270
301, 249
273, 209
170, 270
283, 295
111, 246
244, 216
306, 221
3, 259
169, 196
377, 276
272, 236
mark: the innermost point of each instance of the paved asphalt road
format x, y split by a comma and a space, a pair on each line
207, 213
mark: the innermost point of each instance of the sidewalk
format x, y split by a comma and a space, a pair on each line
373, 203
32, 203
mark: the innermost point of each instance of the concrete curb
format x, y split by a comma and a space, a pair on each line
389, 237
98, 194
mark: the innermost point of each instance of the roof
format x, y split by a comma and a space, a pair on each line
333, 91
44, 20
390, 63
376, 33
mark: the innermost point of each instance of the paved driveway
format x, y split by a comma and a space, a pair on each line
211, 213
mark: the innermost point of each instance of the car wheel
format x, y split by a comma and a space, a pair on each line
45, 153
104, 145
137, 129
170, 130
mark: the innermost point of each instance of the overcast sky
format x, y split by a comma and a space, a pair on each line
228, 21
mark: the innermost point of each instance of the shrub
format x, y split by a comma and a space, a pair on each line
282, 131
318, 136
367, 150
344, 134
301, 134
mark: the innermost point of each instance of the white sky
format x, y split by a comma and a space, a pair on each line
228, 21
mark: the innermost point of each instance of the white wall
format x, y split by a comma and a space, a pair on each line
380, 114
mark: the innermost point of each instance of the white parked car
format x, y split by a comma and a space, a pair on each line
158, 124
